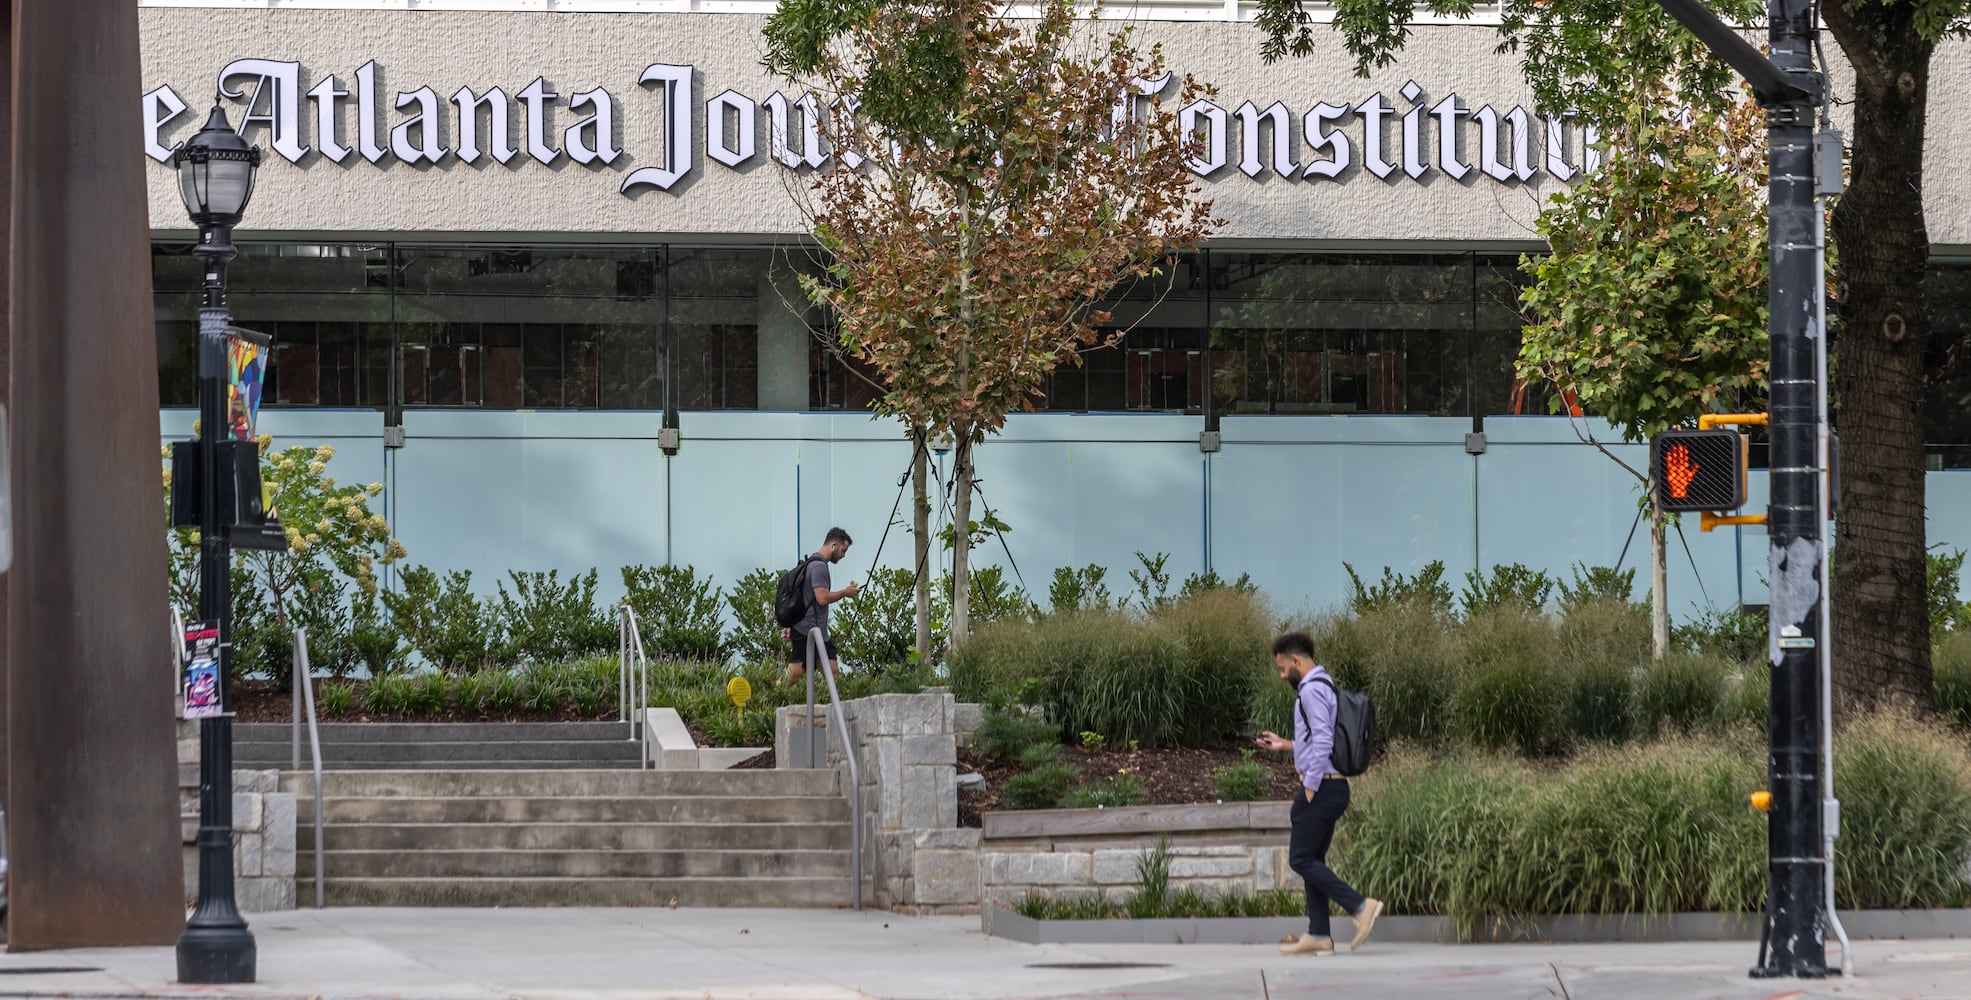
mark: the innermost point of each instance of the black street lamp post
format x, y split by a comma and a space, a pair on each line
215, 176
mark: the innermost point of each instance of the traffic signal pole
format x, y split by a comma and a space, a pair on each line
1788, 87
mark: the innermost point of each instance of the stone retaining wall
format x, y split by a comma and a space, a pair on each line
263, 832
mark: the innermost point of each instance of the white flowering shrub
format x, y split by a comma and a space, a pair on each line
335, 543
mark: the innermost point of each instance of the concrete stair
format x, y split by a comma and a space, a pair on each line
576, 838
455, 746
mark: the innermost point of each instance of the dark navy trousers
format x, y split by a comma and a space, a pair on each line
1307, 853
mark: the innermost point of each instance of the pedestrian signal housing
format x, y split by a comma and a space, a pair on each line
1699, 470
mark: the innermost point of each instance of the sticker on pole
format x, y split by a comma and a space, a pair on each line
202, 671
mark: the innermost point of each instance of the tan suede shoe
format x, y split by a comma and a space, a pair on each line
1308, 944
1365, 920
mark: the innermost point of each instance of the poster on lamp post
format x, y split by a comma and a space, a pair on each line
202, 671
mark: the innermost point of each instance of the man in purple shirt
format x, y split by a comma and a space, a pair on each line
1323, 797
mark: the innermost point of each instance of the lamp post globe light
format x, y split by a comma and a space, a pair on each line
215, 177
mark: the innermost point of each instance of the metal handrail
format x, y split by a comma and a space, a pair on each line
817, 645
304, 685
631, 661
177, 662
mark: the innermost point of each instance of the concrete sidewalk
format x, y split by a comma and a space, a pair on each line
830, 954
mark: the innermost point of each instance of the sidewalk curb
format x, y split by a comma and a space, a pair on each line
1864, 925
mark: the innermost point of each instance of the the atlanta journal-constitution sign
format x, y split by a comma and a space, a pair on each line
1409, 135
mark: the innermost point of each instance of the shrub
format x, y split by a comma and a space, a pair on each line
755, 635
373, 643
1079, 590
540, 690
1511, 586
1681, 691
1905, 790
1241, 782
504, 695
336, 699
1198, 583
1510, 693
1952, 667
1597, 584
1603, 642
1003, 735
1034, 756
1731, 633
1943, 574
1427, 588
392, 695
450, 627
429, 692
473, 692
1040, 788
677, 612
878, 629
990, 599
545, 619
1109, 793
1152, 580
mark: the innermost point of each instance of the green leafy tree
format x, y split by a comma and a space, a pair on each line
1582, 55
1650, 309
994, 197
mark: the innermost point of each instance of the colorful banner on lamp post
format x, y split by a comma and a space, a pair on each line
246, 372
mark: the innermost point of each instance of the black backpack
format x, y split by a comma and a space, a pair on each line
1355, 729
792, 597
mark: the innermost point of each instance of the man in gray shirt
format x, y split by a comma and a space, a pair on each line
832, 550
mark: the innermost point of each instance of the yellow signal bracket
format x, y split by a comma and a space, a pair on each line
1711, 420
1707, 520
1762, 800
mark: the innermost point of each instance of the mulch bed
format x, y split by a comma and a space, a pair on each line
1174, 776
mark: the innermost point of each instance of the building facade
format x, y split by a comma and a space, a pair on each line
499, 245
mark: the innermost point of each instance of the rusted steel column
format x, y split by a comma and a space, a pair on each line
94, 839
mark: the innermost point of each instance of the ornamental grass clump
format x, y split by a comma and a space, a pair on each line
1509, 692
1952, 667
1905, 791
1409, 665
1682, 692
1652, 829
1602, 643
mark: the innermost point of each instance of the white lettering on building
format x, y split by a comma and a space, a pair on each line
1433, 133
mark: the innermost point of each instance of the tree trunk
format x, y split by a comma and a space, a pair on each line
961, 539
920, 532
1659, 580
1881, 628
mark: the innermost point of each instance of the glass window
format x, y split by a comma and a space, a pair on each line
1947, 397
715, 312
1341, 333
528, 327
329, 322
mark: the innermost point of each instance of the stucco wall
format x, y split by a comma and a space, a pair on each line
185, 48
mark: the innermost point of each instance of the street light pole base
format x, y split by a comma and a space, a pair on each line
216, 955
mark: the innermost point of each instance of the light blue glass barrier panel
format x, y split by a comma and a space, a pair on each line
496, 491
1547, 500
754, 490
1293, 498
1753, 545
1947, 503
1094, 488
356, 436
1947, 500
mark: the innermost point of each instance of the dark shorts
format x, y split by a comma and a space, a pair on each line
800, 654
